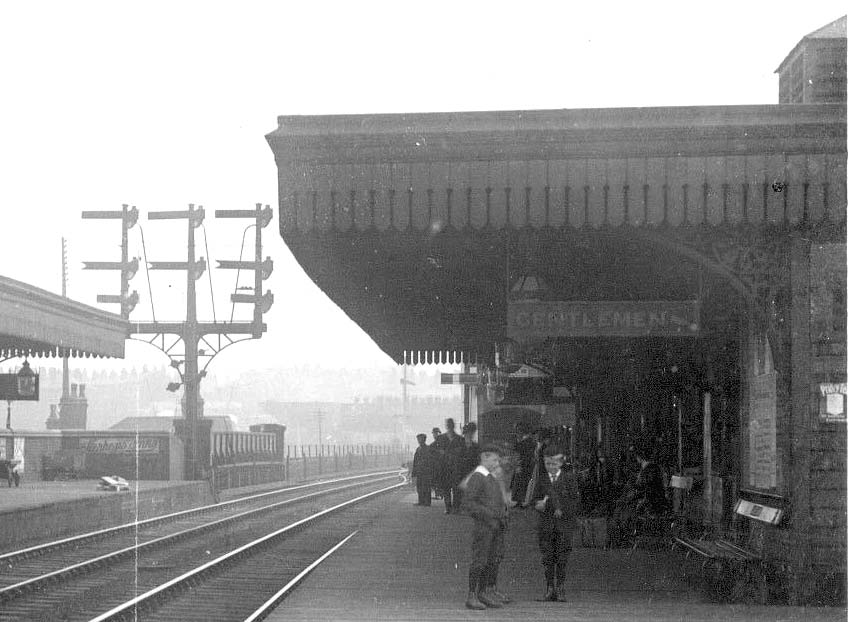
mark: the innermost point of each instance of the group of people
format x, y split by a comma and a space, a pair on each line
486, 492
439, 468
638, 475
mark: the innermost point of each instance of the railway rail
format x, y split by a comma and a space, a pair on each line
196, 546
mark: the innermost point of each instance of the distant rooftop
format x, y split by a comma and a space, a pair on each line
220, 423
814, 72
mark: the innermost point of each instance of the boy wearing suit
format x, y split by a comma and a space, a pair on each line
557, 501
483, 500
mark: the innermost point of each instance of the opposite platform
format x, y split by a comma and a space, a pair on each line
39, 511
411, 564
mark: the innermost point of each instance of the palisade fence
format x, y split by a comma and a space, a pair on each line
299, 463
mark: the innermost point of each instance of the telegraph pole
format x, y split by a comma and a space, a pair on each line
66, 374
404, 406
214, 336
320, 416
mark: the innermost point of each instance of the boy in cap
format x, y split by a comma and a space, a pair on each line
557, 501
484, 502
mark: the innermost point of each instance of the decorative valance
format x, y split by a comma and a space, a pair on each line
34, 322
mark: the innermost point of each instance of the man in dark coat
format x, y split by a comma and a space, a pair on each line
422, 470
469, 461
602, 476
484, 502
557, 501
437, 456
525, 449
453, 447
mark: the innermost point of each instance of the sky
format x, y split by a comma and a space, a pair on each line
163, 104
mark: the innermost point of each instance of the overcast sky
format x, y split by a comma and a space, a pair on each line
161, 104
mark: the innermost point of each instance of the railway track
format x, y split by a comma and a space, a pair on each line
156, 566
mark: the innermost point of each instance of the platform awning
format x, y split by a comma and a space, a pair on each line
35, 322
415, 224
563, 169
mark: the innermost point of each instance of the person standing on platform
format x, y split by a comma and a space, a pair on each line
437, 457
602, 485
525, 449
484, 502
470, 458
451, 471
557, 501
422, 470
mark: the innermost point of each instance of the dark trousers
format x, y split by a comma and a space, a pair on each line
556, 548
423, 485
487, 545
457, 498
452, 496
520, 482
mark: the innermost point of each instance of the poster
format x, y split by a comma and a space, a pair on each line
762, 423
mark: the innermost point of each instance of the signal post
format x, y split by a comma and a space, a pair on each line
191, 344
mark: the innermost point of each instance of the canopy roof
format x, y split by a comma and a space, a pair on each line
416, 224
35, 322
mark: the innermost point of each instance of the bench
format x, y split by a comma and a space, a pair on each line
733, 565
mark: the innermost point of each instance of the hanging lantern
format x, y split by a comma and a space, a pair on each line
27, 382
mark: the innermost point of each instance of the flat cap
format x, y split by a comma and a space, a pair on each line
552, 450
491, 448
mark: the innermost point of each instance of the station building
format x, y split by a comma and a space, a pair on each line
672, 273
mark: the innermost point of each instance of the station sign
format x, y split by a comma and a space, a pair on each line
532, 320
472, 379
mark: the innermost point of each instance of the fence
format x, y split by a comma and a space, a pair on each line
304, 462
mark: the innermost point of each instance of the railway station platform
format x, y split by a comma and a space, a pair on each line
411, 564
39, 510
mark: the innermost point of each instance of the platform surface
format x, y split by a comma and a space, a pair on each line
411, 564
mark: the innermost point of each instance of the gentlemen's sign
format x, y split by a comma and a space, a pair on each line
529, 320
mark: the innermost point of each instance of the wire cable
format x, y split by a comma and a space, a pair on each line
209, 272
147, 272
238, 272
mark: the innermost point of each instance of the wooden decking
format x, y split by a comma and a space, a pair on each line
411, 564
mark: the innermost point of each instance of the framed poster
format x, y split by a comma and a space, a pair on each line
762, 418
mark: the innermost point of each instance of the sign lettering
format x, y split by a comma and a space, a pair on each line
529, 319
119, 445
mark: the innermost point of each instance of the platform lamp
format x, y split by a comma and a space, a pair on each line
20, 386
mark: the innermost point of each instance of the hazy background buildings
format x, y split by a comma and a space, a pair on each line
346, 405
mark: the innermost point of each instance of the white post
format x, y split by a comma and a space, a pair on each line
708, 460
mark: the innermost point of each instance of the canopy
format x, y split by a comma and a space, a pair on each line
416, 225
35, 322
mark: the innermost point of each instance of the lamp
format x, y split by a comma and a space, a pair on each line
22, 385
26, 381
